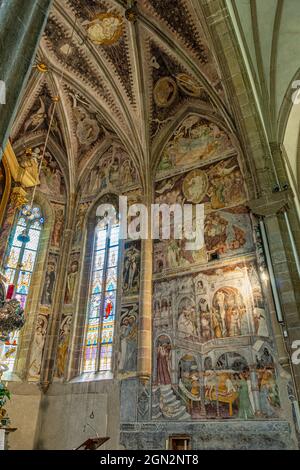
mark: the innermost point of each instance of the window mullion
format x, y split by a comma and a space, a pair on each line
21, 255
102, 304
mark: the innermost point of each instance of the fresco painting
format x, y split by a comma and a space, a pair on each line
194, 141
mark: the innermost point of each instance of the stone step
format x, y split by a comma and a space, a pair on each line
165, 387
167, 393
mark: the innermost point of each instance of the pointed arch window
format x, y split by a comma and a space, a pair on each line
98, 345
20, 263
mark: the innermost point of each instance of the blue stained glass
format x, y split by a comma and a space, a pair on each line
9, 274
23, 283
111, 280
19, 230
97, 282
107, 334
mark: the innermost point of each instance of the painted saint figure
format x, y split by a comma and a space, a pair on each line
49, 284
71, 282
163, 362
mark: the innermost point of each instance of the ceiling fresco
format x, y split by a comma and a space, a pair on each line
119, 81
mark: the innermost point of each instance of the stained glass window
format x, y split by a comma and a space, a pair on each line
102, 300
19, 266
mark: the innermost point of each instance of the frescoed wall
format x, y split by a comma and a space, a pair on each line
209, 322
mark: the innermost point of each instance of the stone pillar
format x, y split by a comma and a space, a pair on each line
50, 352
145, 320
271, 208
21, 25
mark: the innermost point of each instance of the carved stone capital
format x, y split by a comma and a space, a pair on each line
271, 204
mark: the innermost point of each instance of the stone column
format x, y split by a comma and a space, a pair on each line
271, 208
50, 352
21, 25
145, 318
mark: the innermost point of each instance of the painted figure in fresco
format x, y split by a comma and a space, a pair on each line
268, 389
79, 223
244, 402
131, 270
193, 141
63, 344
128, 338
215, 233
71, 282
51, 178
49, 284
228, 313
189, 384
205, 326
163, 361
220, 301
260, 322
173, 254
58, 227
186, 322
223, 177
38, 347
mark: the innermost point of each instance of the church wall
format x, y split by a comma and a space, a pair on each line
212, 341
67, 408
202, 362
23, 410
72, 389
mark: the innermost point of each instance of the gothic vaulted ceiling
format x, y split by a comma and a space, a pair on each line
118, 81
